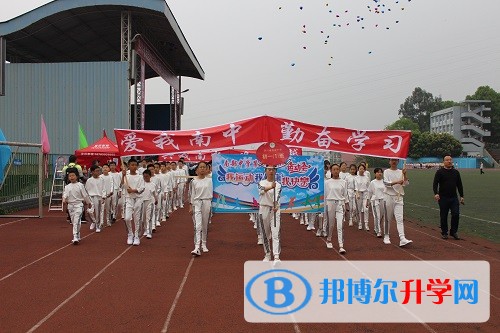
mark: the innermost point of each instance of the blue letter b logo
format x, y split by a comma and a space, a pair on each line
281, 286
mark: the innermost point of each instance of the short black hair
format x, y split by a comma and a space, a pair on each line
132, 160
147, 172
72, 159
377, 170
94, 167
111, 162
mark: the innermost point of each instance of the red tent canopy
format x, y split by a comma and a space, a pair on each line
103, 150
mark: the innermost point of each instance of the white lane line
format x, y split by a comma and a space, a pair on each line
455, 244
461, 215
47, 317
4, 224
177, 296
420, 321
34, 262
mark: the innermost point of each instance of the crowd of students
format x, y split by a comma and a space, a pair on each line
145, 195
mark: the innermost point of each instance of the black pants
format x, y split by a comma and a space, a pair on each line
449, 204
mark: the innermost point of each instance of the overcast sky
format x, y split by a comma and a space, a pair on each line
259, 58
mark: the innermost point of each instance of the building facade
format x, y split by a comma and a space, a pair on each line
466, 123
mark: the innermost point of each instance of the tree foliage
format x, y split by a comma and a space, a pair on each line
404, 124
487, 93
434, 145
419, 106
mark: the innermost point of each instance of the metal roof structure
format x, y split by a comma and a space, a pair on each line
90, 30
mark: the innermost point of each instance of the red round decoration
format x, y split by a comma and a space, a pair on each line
273, 153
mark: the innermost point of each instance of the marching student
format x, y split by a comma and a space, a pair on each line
96, 189
133, 184
335, 201
200, 205
175, 185
182, 175
376, 196
351, 194
362, 182
157, 182
143, 166
269, 213
74, 196
117, 176
395, 180
109, 188
343, 171
150, 201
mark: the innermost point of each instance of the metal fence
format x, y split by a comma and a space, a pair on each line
21, 183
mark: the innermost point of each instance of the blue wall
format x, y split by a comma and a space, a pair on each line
459, 162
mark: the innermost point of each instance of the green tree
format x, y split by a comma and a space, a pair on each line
442, 144
404, 124
419, 106
487, 93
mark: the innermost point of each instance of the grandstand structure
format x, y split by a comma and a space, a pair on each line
84, 62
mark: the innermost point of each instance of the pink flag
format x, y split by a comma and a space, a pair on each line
45, 139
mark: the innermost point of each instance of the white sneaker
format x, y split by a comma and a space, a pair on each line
164, 219
92, 226
387, 240
130, 239
325, 234
329, 245
108, 224
182, 206
260, 241
342, 250
196, 252
158, 224
360, 227
175, 208
301, 222
137, 241
350, 223
267, 258
309, 228
75, 241
367, 228
404, 242
149, 236
277, 259
379, 234
318, 233
255, 225
145, 233
98, 230
204, 249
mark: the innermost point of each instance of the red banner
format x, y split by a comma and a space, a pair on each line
390, 144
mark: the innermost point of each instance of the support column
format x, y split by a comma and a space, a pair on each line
125, 55
139, 71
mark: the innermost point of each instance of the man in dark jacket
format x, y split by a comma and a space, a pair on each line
446, 183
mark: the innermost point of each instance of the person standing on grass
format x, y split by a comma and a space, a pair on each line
446, 183
481, 168
395, 180
269, 213
74, 196
200, 206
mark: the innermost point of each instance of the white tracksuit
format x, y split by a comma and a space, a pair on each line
74, 195
335, 199
376, 196
133, 203
351, 194
149, 197
97, 192
115, 198
393, 201
362, 183
201, 193
109, 188
269, 227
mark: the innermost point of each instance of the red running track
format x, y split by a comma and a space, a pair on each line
103, 285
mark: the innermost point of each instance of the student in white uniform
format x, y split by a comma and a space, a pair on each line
109, 188
143, 166
133, 184
149, 202
117, 176
322, 222
362, 182
182, 178
343, 171
376, 196
96, 189
395, 180
163, 202
201, 193
335, 200
175, 185
74, 196
157, 183
351, 194
269, 213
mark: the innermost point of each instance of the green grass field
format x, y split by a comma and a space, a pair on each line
480, 216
